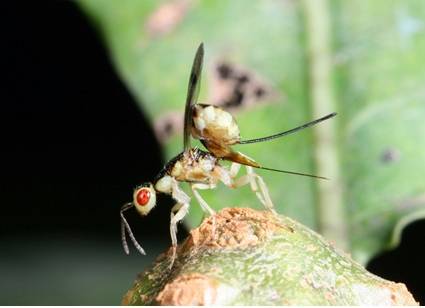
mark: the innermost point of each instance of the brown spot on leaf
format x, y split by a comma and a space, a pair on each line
235, 87
235, 101
189, 290
243, 78
390, 155
231, 87
166, 17
168, 125
224, 71
259, 92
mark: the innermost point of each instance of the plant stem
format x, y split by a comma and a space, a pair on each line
331, 215
244, 257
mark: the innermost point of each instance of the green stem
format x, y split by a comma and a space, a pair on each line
331, 215
245, 257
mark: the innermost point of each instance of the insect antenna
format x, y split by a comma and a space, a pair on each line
288, 132
292, 172
125, 226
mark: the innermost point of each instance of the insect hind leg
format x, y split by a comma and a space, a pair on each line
256, 182
267, 201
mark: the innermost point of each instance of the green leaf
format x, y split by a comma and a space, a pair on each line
362, 61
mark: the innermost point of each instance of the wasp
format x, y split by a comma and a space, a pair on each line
218, 131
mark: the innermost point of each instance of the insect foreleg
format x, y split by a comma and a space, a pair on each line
178, 212
177, 193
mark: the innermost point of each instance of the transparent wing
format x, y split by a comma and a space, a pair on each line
192, 94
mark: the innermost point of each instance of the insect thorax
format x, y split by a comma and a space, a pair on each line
194, 165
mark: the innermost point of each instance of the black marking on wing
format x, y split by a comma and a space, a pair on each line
192, 94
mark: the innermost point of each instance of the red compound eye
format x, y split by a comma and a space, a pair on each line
143, 196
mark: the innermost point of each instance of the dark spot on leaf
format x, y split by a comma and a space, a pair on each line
238, 96
236, 100
224, 71
168, 128
243, 79
390, 155
259, 92
237, 87
168, 125
165, 130
227, 104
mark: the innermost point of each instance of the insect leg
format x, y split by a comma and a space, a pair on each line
234, 169
254, 180
244, 180
178, 194
263, 187
125, 226
204, 205
178, 212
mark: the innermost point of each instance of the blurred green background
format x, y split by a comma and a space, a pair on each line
89, 85
362, 61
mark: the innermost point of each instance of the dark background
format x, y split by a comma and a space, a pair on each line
73, 146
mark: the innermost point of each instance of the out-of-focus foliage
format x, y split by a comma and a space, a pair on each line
378, 78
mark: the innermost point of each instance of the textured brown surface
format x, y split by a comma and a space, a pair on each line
400, 296
234, 228
191, 289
